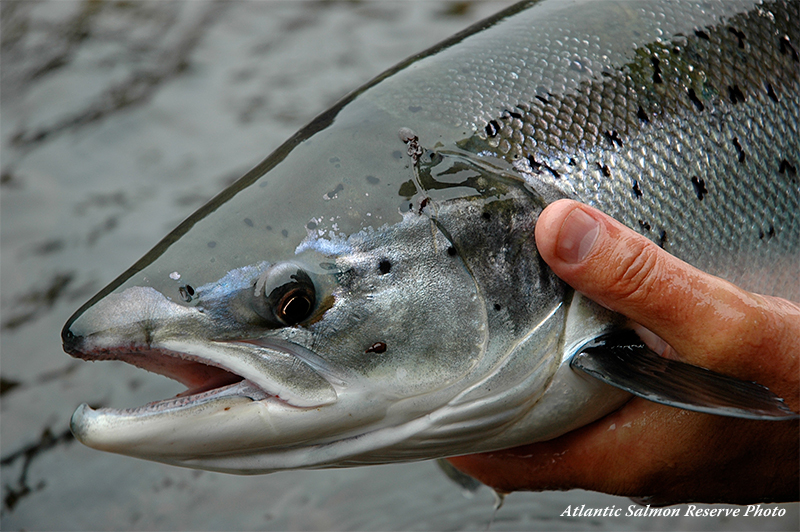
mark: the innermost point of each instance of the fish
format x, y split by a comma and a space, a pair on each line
371, 292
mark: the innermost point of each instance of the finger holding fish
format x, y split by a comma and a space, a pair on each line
655, 453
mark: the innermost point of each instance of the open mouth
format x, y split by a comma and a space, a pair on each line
204, 380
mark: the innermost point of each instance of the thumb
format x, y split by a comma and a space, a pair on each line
699, 315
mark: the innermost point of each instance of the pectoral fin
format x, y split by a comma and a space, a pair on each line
621, 359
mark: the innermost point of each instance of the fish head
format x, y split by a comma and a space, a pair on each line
317, 310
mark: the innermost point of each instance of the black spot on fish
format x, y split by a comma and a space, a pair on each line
656, 69
771, 232
613, 138
377, 347
212, 244
334, 160
497, 306
492, 128
414, 108
384, 266
451, 251
285, 233
636, 190
644, 225
552, 170
699, 187
739, 35
604, 168
760, 234
771, 93
702, 34
786, 47
572, 161
739, 149
397, 154
311, 225
642, 115
542, 99
696, 101
676, 50
512, 114
662, 239
735, 94
786, 166
372, 180
269, 228
486, 216
248, 222
535, 165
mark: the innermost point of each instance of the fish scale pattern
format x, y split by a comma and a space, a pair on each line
694, 143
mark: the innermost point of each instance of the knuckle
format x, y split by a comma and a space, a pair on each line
637, 275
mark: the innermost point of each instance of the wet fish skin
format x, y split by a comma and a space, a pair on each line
435, 329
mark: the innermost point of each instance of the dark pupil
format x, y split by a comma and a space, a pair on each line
294, 307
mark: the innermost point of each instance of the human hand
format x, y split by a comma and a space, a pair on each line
651, 452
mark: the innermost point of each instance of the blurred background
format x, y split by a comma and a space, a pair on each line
117, 120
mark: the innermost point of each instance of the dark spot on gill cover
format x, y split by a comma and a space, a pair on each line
377, 347
786, 47
739, 149
696, 101
699, 187
384, 266
636, 190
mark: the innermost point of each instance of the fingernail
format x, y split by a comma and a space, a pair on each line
577, 236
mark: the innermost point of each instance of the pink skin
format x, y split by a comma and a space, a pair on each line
645, 450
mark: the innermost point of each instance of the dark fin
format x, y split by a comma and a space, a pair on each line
621, 359
467, 483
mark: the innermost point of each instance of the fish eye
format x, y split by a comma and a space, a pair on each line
285, 295
295, 306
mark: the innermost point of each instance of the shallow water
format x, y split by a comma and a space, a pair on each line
118, 120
